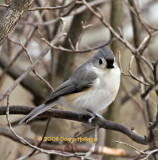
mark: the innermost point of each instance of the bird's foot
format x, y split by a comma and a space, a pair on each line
93, 114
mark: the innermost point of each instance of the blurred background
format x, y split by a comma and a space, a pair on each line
129, 108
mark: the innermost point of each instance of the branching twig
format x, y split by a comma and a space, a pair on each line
52, 8
132, 75
100, 17
34, 151
22, 140
134, 99
137, 150
60, 34
18, 54
65, 15
92, 148
84, 27
34, 71
75, 50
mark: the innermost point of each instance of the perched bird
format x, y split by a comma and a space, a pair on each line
90, 89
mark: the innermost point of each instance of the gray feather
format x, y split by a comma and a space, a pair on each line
38, 110
106, 53
80, 80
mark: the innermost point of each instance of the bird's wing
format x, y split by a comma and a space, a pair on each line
80, 80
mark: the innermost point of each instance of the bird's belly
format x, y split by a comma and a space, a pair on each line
100, 95
94, 99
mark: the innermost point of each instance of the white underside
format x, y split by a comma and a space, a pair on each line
100, 96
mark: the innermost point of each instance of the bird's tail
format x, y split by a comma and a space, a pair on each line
38, 110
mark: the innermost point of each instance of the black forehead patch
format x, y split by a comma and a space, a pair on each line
106, 53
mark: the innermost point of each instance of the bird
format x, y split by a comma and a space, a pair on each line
90, 89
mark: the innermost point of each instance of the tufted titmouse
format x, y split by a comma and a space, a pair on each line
91, 88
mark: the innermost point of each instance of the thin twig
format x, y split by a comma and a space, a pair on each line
34, 71
147, 62
59, 35
78, 51
149, 153
18, 54
34, 151
4, 5
92, 148
65, 15
22, 140
139, 151
84, 27
100, 17
151, 32
141, 20
134, 99
52, 8
132, 75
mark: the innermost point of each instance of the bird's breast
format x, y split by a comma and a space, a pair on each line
97, 97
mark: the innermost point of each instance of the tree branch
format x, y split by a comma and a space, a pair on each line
11, 16
102, 123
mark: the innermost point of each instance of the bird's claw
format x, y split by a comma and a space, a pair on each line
93, 117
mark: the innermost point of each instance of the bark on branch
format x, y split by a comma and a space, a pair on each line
11, 15
102, 123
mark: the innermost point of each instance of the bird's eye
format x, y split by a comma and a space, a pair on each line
100, 61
